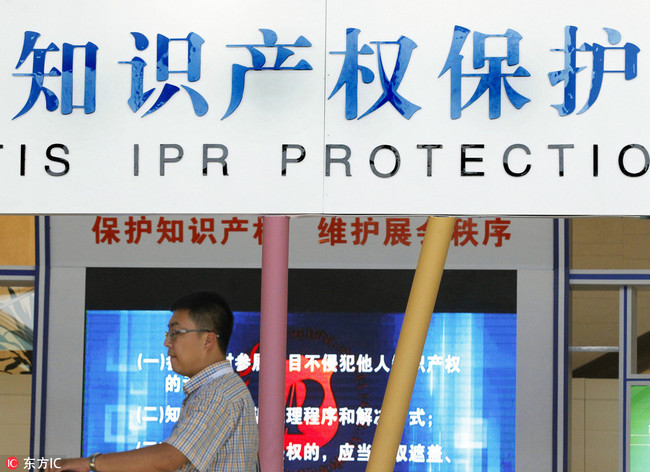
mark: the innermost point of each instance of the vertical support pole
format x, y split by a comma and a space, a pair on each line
561, 335
41, 330
410, 345
627, 366
273, 341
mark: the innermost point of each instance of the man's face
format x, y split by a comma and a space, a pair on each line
185, 349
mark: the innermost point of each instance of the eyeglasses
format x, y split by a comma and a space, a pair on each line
171, 335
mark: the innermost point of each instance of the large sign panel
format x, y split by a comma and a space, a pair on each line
328, 106
461, 415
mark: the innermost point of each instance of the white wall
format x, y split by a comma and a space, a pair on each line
15, 398
594, 425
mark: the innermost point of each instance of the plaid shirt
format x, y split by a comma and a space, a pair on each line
216, 429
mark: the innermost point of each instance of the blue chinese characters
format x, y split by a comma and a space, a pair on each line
568, 74
259, 60
38, 75
193, 72
350, 75
492, 73
490, 81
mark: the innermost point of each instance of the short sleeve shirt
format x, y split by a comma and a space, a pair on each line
216, 428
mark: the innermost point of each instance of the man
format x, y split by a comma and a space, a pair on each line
216, 429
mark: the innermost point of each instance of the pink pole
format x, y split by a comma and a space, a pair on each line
273, 342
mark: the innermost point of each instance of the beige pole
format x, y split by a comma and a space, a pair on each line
410, 345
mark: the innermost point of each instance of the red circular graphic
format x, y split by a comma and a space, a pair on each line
12, 463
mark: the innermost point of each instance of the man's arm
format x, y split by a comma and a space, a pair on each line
158, 458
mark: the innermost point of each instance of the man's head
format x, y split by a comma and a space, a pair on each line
199, 332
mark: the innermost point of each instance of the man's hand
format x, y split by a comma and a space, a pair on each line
157, 458
80, 464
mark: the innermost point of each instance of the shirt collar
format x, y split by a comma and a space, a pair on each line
205, 375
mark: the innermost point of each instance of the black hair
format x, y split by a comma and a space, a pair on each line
210, 311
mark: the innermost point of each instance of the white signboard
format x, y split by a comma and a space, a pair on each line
327, 106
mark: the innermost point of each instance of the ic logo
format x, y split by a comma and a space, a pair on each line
12, 463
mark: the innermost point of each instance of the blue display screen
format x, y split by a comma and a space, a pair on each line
461, 416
